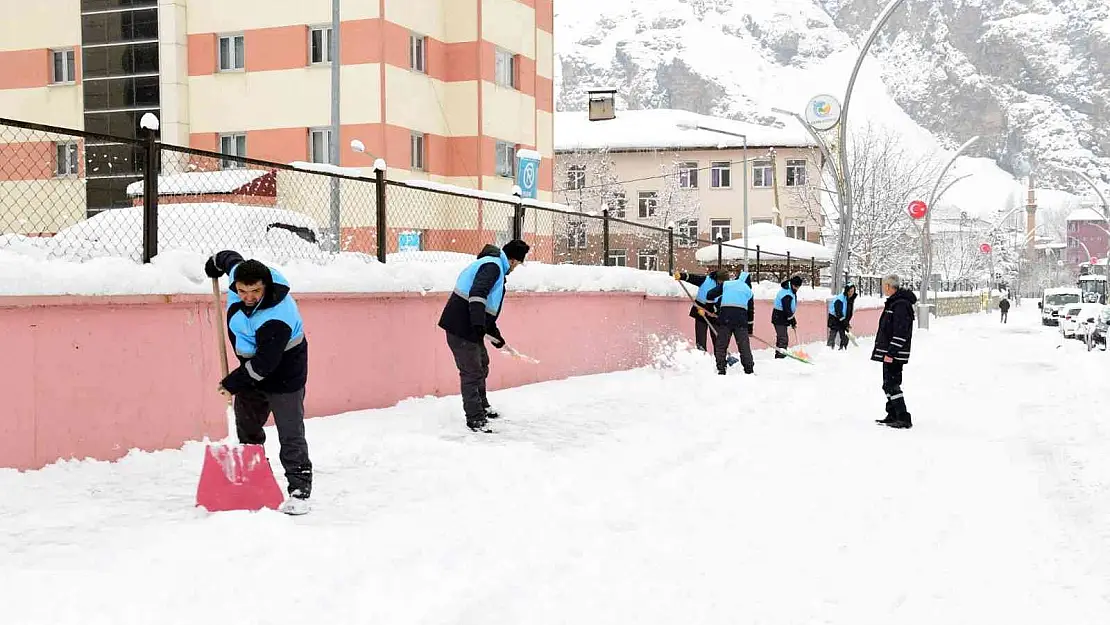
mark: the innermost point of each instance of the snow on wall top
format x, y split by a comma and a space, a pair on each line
201, 182
771, 239
1085, 214
663, 129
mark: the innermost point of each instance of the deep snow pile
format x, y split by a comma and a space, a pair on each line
430, 272
619, 499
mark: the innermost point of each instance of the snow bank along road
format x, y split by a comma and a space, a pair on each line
662, 495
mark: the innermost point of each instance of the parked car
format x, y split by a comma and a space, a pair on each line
1069, 319
1097, 336
1086, 320
1054, 300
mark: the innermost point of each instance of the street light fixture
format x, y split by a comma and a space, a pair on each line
689, 126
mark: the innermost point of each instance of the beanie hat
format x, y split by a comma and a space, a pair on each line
796, 281
516, 250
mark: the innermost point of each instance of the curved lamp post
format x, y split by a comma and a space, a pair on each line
841, 259
927, 247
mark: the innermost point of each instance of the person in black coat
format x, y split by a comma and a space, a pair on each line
782, 314
1004, 307
841, 309
705, 306
735, 320
892, 348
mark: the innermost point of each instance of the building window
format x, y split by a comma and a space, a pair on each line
618, 258
418, 53
234, 145
319, 45
687, 230
319, 145
720, 175
796, 232
795, 173
720, 228
505, 68
618, 204
232, 53
67, 158
647, 261
688, 175
506, 159
416, 142
576, 235
648, 203
65, 68
761, 174
763, 221
576, 177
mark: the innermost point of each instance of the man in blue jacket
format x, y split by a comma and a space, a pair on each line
704, 304
735, 319
470, 315
841, 309
266, 331
782, 317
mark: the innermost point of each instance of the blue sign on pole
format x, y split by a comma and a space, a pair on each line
527, 173
408, 242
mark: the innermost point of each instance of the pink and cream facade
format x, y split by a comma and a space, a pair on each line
443, 90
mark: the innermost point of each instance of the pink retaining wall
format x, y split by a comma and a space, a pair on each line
97, 376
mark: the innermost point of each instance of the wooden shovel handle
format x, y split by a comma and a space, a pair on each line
221, 326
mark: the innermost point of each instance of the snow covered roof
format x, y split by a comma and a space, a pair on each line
651, 129
771, 239
201, 182
1085, 214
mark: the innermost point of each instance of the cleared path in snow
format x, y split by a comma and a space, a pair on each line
665, 495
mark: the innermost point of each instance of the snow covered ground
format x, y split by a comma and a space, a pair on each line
617, 499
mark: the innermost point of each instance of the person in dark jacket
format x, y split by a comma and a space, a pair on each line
704, 305
841, 309
1004, 307
782, 317
265, 329
470, 315
892, 348
735, 318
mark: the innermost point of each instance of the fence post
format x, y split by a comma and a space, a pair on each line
379, 178
150, 196
758, 271
720, 251
813, 272
518, 217
670, 249
788, 276
605, 237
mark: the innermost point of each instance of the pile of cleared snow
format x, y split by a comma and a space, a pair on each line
414, 272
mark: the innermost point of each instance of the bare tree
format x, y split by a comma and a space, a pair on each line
886, 177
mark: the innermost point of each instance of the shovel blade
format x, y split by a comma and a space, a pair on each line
237, 478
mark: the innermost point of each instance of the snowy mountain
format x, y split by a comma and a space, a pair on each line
1029, 76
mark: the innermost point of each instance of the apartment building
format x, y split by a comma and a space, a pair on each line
443, 90
667, 167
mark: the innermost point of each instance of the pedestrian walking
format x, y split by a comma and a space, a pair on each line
470, 315
266, 331
841, 309
704, 307
782, 317
892, 348
735, 320
1004, 308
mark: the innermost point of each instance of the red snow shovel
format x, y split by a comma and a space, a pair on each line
235, 477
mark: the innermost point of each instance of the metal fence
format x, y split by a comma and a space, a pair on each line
78, 195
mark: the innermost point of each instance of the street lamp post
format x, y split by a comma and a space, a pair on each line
926, 247
687, 126
333, 147
841, 261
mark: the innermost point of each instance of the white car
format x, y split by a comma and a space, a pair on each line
1069, 319
1053, 302
1086, 319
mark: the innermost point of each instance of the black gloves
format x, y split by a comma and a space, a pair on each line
793, 323
496, 339
210, 268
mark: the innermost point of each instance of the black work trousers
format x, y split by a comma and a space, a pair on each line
782, 339
701, 330
724, 336
892, 387
252, 410
472, 361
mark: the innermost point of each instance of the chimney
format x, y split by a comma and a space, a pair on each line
1031, 221
602, 104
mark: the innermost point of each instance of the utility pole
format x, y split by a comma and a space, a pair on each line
333, 145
